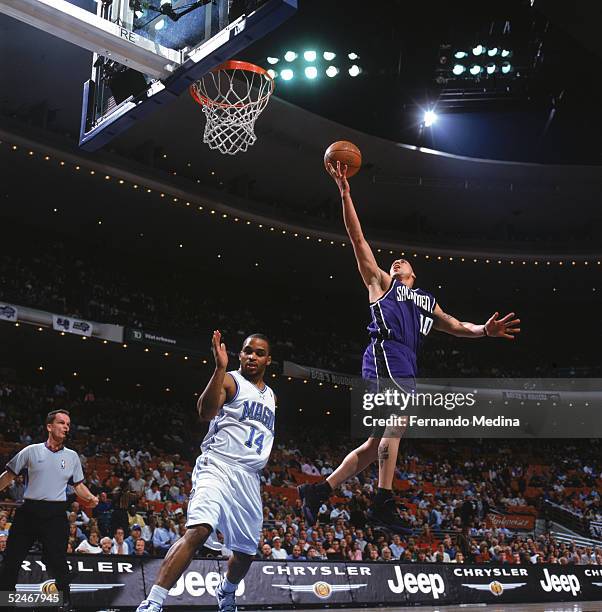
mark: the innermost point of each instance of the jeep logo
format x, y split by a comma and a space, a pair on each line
195, 584
569, 583
412, 583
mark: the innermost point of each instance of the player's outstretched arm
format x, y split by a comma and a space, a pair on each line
375, 279
505, 327
220, 386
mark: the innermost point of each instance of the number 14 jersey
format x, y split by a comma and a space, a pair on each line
242, 433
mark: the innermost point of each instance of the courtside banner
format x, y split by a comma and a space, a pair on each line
97, 581
167, 342
119, 581
71, 326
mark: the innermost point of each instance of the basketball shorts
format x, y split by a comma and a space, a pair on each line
388, 364
227, 498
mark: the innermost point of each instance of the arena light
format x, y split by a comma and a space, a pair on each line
459, 69
490, 68
290, 56
310, 56
287, 74
506, 68
273, 60
272, 73
329, 56
311, 72
505, 53
478, 50
460, 54
332, 71
355, 70
475, 69
492, 52
430, 118
353, 56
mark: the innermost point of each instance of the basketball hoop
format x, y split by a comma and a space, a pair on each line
232, 96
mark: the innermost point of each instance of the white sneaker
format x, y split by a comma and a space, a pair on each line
149, 606
226, 602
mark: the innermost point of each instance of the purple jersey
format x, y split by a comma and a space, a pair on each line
400, 319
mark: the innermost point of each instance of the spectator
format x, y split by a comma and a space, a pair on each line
278, 552
396, 547
135, 535
162, 537
120, 546
266, 553
3, 539
106, 545
91, 546
152, 493
134, 518
137, 484
296, 554
139, 548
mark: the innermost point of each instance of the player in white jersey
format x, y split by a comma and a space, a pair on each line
225, 496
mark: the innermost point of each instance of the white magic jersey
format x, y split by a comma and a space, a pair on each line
243, 431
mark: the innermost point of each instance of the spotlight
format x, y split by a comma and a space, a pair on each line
490, 68
273, 60
272, 73
355, 70
475, 69
506, 67
311, 72
329, 56
332, 71
460, 54
459, 69
287, 74
492, 52
505, 53
310, 56
478, 50
353, 56
430, 117
290, 56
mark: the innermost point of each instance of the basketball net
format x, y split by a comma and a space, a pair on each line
232, 96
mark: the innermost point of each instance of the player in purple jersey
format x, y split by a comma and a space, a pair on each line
401, 317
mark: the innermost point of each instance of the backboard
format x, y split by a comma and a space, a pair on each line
147, 52
204, 33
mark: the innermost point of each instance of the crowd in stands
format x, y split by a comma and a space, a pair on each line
447, 492
92, 289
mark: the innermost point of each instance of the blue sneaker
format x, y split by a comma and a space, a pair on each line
226, 602
149, 606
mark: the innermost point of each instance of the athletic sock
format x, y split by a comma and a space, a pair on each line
157, 594
229, 587
323, 489
382, 495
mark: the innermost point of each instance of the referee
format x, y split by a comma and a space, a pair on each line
50, 467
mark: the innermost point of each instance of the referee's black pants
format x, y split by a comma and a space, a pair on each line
46, 522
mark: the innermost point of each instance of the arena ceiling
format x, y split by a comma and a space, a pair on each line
406, 193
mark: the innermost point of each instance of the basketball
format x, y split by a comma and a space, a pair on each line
346, 153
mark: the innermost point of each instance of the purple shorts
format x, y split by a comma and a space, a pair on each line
387, 360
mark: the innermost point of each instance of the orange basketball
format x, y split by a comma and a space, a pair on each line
346, 153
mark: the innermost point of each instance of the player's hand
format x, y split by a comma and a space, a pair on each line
219, 351
502, 328
93, 502
339, 174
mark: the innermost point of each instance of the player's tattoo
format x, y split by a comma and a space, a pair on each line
383, 454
